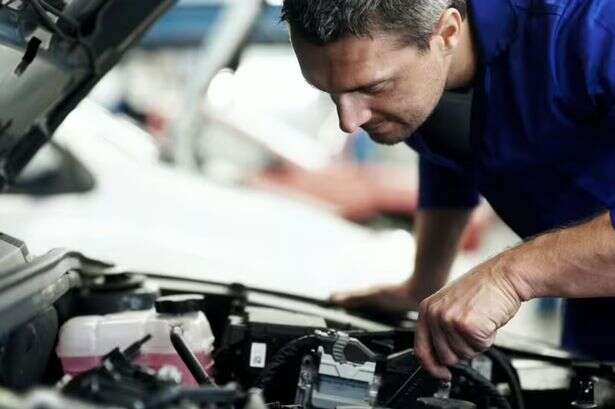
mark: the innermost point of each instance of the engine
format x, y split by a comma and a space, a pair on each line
123, 340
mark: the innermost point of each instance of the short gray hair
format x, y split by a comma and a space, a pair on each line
325, 21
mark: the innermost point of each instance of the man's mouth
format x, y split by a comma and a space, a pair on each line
375, 128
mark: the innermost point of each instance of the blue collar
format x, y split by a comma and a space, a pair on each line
494, 23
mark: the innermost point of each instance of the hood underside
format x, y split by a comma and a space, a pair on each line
52, 53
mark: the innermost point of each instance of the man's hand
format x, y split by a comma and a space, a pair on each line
461, 320
394, 298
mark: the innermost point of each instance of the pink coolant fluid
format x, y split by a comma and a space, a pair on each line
85, 340
76, 365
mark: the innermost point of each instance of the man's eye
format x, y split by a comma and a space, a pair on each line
376, 89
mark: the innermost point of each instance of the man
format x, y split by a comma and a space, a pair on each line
541, 148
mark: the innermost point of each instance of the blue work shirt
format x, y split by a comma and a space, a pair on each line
542, 132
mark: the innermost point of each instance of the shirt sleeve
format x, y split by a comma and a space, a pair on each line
604, 97
444, 187
590, 59
601, 63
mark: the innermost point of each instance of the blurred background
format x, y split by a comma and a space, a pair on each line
206, 154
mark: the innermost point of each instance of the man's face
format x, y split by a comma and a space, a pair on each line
387, 89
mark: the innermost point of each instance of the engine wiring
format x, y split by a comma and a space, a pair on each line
57, 12
285, 356
46, 20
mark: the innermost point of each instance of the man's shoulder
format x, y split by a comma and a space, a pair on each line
579, 33
600, 11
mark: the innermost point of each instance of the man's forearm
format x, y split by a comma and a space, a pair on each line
573, 262
462, 320
438, 234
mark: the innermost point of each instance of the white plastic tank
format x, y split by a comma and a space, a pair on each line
84, 340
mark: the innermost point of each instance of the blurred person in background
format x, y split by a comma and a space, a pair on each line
539, 147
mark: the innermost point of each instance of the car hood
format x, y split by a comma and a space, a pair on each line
52, 53
161, 219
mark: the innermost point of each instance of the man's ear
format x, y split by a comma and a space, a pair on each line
448, 30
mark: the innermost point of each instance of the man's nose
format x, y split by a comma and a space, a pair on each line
352, 113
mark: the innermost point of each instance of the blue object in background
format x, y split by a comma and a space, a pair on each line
363, 148
269, 28
548, 306
189, 22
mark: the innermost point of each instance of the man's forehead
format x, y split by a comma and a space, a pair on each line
348, 63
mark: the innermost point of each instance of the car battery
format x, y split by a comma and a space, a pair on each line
328, 382
253, 337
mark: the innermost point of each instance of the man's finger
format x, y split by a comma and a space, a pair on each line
478, 335
423, 349
444, 353
458, 344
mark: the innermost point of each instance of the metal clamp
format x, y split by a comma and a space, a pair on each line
339, 347
340, 341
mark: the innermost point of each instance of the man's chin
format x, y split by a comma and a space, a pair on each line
388, 139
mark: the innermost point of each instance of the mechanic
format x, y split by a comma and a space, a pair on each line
541, 150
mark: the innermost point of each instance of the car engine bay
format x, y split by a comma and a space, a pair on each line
80, 333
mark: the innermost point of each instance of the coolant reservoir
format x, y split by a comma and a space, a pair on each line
85, 340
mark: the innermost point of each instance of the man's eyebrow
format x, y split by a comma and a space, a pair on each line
359, 88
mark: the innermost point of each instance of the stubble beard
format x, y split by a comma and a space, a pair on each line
413, 122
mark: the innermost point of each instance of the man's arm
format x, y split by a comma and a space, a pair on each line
438, 233
461, 320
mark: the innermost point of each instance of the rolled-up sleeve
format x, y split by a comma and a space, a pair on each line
596, 49
445, 187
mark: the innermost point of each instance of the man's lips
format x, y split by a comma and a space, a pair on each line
375, 128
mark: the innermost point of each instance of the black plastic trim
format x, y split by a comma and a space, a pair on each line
30, 289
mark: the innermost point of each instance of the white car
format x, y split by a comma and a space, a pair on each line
135, 211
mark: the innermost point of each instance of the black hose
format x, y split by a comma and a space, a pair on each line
513, 380
188, 357
41, 8
133, 351
60, 15
46, 21
286, 356
482, 384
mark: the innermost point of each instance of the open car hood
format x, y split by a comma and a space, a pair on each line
52, 53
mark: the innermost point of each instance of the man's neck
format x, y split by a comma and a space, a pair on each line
463, 62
